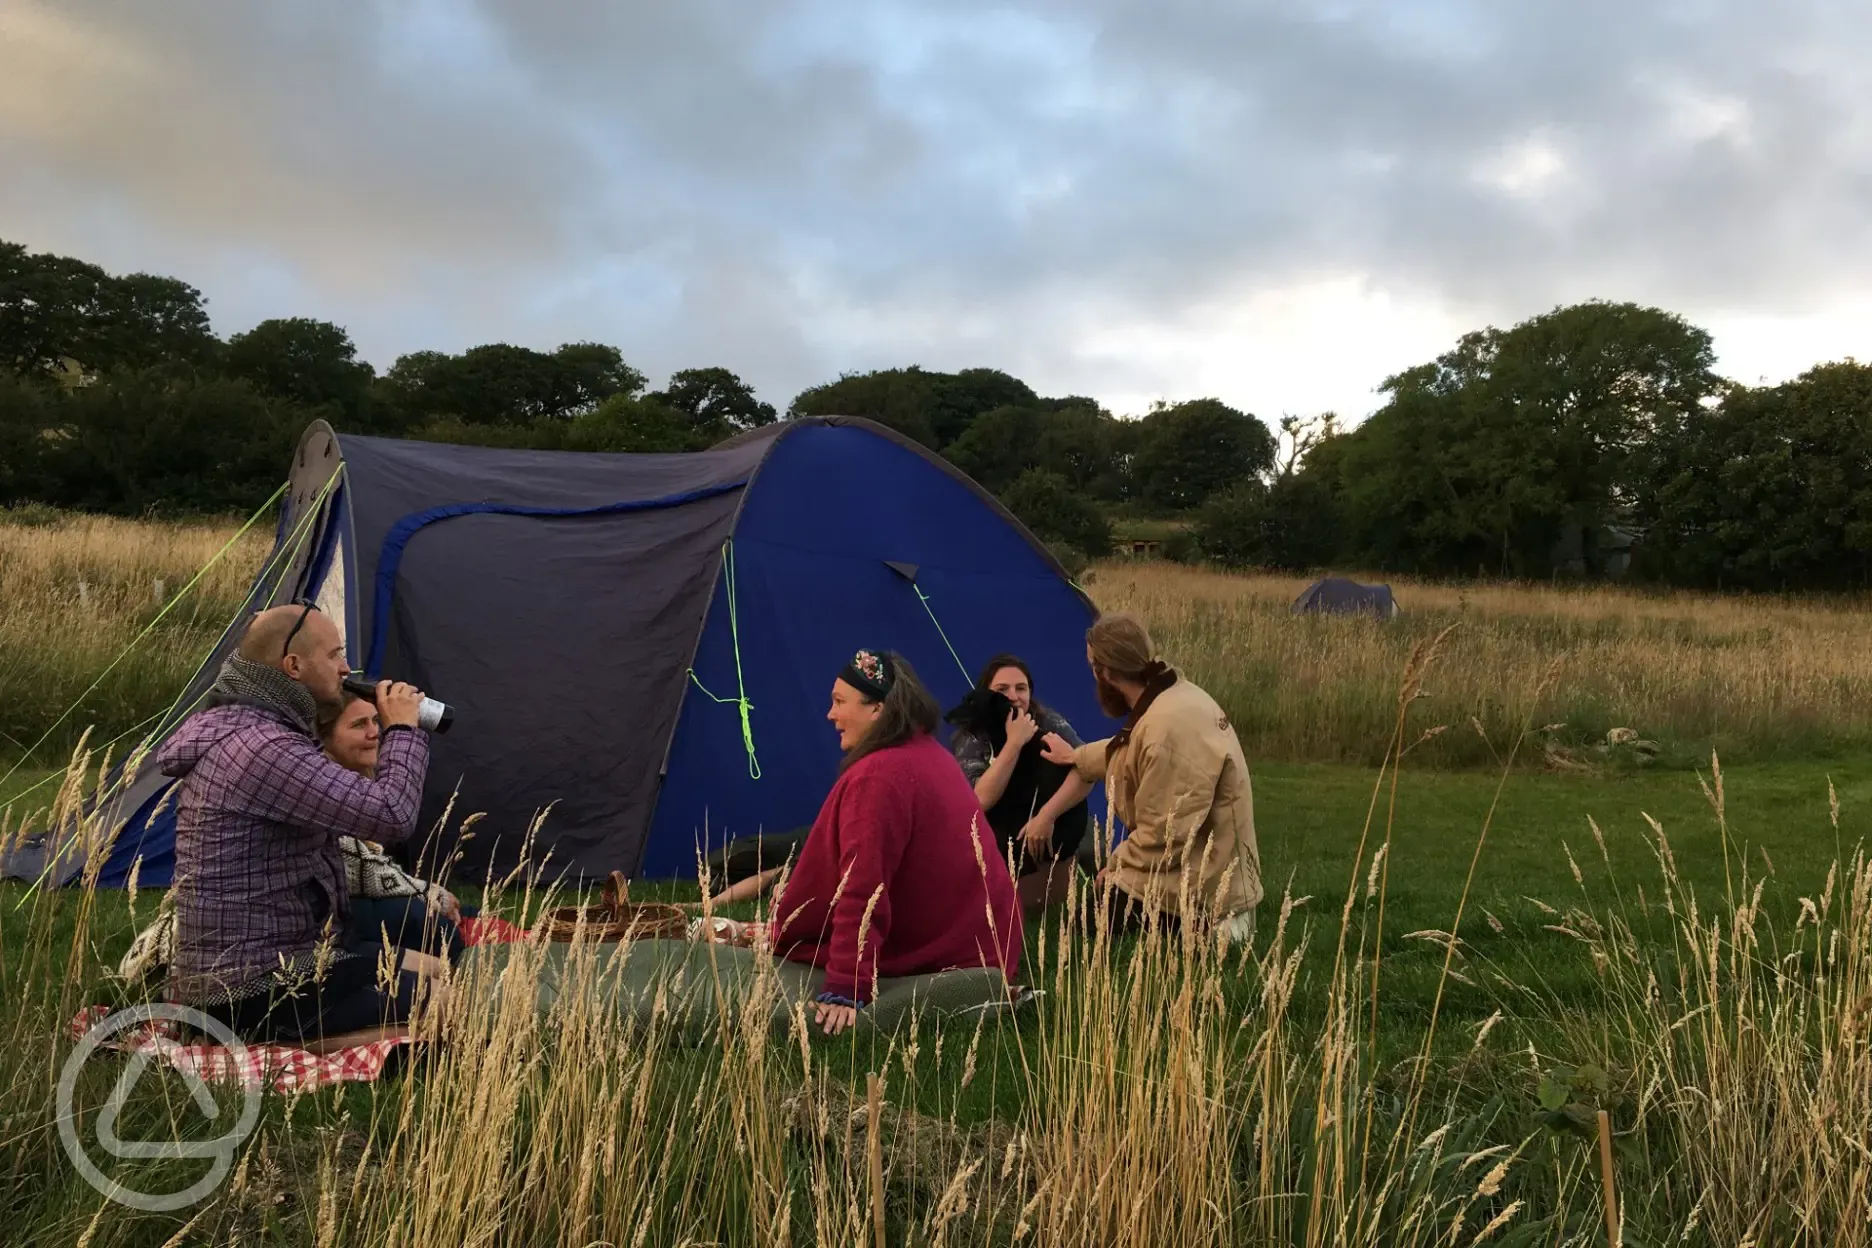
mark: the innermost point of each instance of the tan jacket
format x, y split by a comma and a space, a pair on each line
1180, 786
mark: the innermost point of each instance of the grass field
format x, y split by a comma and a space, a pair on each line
1757, 679
77, 591
1692, 953
1752, 678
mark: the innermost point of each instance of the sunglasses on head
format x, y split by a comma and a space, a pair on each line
310, 607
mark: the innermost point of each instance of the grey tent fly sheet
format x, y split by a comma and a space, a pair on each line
1335, 595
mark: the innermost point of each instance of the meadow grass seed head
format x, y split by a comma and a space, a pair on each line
1500, 1220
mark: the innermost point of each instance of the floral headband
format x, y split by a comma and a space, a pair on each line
871, 673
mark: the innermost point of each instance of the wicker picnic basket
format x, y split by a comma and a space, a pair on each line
617, 918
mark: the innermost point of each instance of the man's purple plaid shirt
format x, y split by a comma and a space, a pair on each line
258, 816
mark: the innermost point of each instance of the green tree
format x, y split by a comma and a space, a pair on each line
936, 409
154, 321
501, 384
964, 396
47, 304
999, 446
622, 424
25, 416
1055, 512
1485, 460
588, 375
1299, 436
638, 425
154, 441
313, 363
716, 403
1770, 490
1190, 452
54, 308
1086, 446
1289, 525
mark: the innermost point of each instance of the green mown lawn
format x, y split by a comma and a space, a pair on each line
1310, 818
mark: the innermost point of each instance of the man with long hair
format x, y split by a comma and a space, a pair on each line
1178, 781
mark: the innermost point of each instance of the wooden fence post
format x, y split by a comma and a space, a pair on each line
1605, 1176
874, 1143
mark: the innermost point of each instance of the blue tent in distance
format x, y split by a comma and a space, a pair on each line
1335, 595
645, 644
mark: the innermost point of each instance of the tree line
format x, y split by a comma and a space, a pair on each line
1593, 440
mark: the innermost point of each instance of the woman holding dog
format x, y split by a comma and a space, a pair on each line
1000, 730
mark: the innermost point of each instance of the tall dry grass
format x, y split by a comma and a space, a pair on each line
76, 591
1751, 677
1165, 1090
1168, 1090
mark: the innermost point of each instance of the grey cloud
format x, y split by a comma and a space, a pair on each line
268, 123
793, 188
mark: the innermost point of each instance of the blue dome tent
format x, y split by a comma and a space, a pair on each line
644, 643
1335, 595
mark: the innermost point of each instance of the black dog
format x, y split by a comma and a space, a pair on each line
984, 713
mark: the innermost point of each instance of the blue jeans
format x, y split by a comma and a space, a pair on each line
407, 923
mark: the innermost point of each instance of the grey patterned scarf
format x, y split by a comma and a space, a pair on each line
246, 683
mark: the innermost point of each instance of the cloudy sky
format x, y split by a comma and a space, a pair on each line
1276, 202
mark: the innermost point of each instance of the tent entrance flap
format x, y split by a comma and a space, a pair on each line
397, 541
563, 641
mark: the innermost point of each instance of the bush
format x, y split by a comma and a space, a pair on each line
1071, 558
1182, 547
162, 441
33, 516
1290, 526
1231, 528
1057, 513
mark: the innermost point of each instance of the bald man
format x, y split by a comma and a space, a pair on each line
261, 901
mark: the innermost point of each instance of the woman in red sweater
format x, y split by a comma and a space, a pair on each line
900, 874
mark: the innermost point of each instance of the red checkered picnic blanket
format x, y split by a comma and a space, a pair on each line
284, 1068
489, 929
289, 1069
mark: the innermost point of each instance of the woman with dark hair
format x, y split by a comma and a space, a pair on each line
899, 875
1002, 729
389, 906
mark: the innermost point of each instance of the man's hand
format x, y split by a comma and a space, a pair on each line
833, 1019
1059, 751
1021, 729
398, 703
